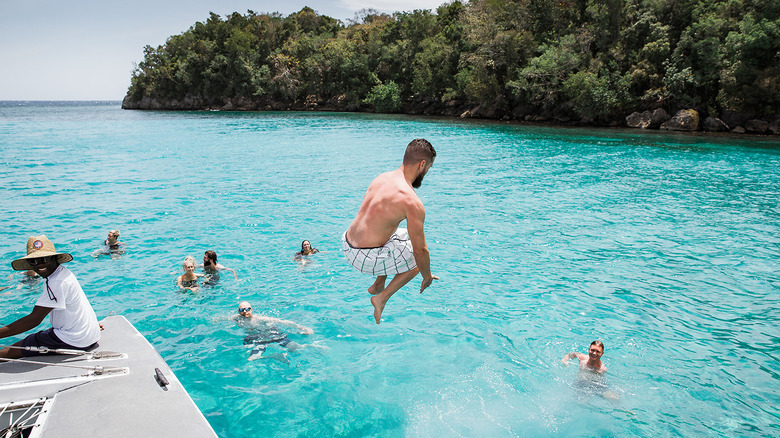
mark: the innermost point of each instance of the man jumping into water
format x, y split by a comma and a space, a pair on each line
374, 244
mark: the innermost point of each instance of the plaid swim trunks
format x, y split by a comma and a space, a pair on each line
394, 257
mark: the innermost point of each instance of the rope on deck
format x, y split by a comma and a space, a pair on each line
47, 350
97, 370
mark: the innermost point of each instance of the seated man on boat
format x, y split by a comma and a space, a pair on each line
262, 331
74, 323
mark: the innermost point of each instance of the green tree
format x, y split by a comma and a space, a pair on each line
385, 98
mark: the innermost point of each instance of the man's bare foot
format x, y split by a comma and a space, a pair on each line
379, 306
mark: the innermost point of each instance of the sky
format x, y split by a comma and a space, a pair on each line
86, 49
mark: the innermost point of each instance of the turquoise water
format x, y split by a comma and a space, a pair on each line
663, 246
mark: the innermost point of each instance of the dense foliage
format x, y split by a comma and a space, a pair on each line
592, 59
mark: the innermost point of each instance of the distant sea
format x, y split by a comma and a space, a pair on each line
664, 246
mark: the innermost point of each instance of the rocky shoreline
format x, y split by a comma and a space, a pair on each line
687, 120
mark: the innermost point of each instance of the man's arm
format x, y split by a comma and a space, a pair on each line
225, 268
302, 328
415, 220
25, 323
569, 356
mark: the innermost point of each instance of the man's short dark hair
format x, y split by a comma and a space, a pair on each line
417, 150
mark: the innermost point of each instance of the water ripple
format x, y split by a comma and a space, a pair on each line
663, 246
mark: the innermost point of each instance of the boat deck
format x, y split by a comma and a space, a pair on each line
123, 399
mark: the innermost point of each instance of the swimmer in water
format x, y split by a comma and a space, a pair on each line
29, 278
212, 268
592, 369
111, 245
306, 250
591, 361
263, 330
188, 280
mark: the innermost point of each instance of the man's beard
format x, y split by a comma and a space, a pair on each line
418, 181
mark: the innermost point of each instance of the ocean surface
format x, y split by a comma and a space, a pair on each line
663, 246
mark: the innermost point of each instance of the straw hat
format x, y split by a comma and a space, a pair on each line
39, 246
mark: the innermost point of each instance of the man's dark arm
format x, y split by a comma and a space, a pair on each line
25, 323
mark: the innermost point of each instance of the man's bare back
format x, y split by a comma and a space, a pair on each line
373, 243
385, 204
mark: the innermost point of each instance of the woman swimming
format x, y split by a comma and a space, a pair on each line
306, 249
188, 280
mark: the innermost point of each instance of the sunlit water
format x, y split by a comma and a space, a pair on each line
663, 246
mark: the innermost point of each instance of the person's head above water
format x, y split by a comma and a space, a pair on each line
189, 263
245, 309
596, 350
419, 153
209, 257
306, 248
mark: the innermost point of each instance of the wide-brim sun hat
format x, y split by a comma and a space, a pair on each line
39, 246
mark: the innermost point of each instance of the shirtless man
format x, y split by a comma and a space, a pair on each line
591, 375
373, 243
111, 245
591, 361
262, 330
212, 268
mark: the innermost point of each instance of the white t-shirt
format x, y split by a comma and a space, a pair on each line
72, 318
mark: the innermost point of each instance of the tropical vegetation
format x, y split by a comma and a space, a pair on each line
591, 60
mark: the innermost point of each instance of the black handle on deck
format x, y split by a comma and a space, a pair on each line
160, 378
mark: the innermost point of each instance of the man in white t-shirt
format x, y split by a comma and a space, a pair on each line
74, 323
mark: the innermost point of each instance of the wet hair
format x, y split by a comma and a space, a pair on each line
419, 149
188, 259
115, 233
303, 251
598, 344
212, 256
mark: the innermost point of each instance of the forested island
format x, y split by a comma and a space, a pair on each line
709, 65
